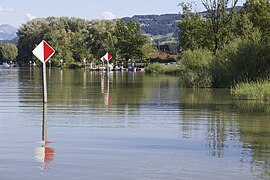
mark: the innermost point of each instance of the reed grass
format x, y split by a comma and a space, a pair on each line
252, 91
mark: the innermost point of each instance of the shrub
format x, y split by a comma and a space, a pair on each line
222, 64
154, 68
197, 65
170, 69
196, 78
239, 61
252, 61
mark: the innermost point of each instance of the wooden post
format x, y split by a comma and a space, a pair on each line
44, 83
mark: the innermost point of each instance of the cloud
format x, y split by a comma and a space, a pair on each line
108, 15
29, 17
6, 9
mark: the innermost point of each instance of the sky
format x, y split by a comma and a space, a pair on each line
16, 12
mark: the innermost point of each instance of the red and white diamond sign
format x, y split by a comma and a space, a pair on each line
108, 56
43, 51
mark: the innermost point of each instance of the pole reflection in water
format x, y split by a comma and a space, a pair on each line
105, 90
44, 153
107, 97
84, 80
103, 85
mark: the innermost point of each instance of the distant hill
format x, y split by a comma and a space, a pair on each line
7, 32
157, 24
161, 28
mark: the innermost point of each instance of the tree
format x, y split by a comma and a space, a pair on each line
30, 35
258, 11
101, 39
148, 49
193, 30
129, 39
221, 21
66, 35
9, 52
245, 29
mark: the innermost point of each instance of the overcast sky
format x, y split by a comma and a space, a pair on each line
16, 12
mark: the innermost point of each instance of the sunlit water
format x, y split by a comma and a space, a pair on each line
127, 126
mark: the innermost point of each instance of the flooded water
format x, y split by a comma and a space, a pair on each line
127, 126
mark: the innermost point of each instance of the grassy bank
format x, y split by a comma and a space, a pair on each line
253, 91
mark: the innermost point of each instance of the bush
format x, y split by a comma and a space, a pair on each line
164, 69
197, 65
252, 61
173, 69
222, 65
196, 78
239, 61
154, 68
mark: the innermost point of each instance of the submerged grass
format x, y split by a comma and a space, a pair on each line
252, 91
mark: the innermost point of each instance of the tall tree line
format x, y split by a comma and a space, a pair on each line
75, 39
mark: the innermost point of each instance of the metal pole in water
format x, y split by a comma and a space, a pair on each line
44, 123
108, 68
44, 83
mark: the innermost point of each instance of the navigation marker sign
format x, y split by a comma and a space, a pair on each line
43, 51
108, 56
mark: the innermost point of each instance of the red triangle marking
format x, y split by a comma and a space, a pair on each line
109, 56
48, 51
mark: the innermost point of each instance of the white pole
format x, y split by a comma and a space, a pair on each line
44, 84
108, 68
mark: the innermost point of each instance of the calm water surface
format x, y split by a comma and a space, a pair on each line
129, 126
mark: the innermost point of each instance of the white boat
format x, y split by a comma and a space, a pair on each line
6, 65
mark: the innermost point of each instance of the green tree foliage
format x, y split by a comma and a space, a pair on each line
66, 36
240, 41
247, 58
258, 11
148, 49
210, 30
75, 39
100, 38
129, 39
221, 21
240, 61
222, 66
193, 30
30, 34
245, 28
8, 52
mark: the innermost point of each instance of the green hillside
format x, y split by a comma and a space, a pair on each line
161, 28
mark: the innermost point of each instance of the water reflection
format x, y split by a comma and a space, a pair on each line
44, 154
106, 91
253, 106
228, 127
225, 128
